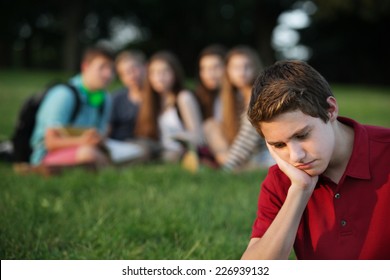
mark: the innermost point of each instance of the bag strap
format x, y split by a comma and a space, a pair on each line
101, 107
76, 108
75, 94
78, 103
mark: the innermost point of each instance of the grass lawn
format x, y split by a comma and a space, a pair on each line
148, 211
143, 212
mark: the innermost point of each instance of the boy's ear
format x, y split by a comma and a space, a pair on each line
83, 65
333, 110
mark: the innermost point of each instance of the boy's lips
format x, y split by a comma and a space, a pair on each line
305, 165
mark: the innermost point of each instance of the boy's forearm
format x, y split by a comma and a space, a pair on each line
278, 240
62, 142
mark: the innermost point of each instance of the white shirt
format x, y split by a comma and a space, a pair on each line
170, 125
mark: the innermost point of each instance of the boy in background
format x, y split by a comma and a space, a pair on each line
51, 143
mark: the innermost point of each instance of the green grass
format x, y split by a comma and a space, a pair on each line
368, 105
148, 211
143, 212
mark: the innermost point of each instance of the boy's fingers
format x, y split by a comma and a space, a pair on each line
273, 154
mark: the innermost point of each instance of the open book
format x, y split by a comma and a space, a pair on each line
118, 151
121, 152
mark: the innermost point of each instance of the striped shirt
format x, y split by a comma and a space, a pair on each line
246, 144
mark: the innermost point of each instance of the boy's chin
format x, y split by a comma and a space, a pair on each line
313, 172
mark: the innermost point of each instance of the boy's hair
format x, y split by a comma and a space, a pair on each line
130, 55
92, 52
288, 86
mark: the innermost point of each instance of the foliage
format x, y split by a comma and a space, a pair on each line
369, 10
349, 40
53, 33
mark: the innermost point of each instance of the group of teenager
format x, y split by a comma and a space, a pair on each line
327, 196
154, 115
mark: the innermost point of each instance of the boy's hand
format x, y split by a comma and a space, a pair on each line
91, 137
299, 178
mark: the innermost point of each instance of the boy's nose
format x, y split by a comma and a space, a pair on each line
297, 154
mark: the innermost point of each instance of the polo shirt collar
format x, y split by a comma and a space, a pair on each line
358, 165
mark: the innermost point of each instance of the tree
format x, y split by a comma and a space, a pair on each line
185, 27
181, 26
349, 40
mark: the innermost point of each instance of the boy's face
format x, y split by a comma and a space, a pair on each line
303, 141
98, 73
131, 72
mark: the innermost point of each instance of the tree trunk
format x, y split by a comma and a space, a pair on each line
5, 54
26, 53
265, 22
72, 18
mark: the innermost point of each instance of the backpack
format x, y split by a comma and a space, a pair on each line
26, 122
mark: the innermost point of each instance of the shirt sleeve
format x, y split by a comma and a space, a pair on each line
245, 143
117, 98
113, 115
273, 193
56, 108
104, 120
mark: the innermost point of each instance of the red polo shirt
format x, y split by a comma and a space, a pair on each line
348, 220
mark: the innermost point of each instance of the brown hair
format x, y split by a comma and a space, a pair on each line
206, 97
232, 106
288, 86
130, 55
146, 125
92, 52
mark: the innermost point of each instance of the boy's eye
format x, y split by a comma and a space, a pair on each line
279, 145
302, 136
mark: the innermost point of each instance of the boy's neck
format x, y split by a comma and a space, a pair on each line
135, 94
342, 153
87, 85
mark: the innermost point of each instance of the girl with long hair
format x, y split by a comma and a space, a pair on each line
234, 142
211, 63
169, 113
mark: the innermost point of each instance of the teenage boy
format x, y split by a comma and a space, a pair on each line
328, 197
131, 69
52, 142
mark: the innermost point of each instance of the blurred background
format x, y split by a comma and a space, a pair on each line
345, 40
